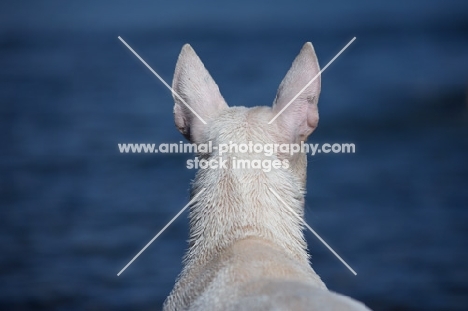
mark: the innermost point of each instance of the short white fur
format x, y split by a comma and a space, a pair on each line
246, 251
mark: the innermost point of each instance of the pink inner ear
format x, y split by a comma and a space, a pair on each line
180, 122
300, 118
312, 113
196, 86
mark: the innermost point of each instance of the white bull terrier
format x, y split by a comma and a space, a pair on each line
247, 250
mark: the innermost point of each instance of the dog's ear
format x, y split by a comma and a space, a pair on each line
301, 117
198, 98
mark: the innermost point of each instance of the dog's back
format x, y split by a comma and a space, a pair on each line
254, 275
247, 251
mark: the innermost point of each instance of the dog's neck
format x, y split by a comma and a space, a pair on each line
240, 204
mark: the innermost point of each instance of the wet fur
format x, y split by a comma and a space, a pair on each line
246, 250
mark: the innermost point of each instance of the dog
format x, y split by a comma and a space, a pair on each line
246, 249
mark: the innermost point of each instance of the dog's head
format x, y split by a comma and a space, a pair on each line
201, 113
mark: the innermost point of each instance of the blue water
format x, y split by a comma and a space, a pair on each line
75, 211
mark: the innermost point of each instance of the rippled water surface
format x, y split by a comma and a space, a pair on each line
75, 211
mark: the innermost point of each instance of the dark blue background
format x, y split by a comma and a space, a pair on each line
74, 211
